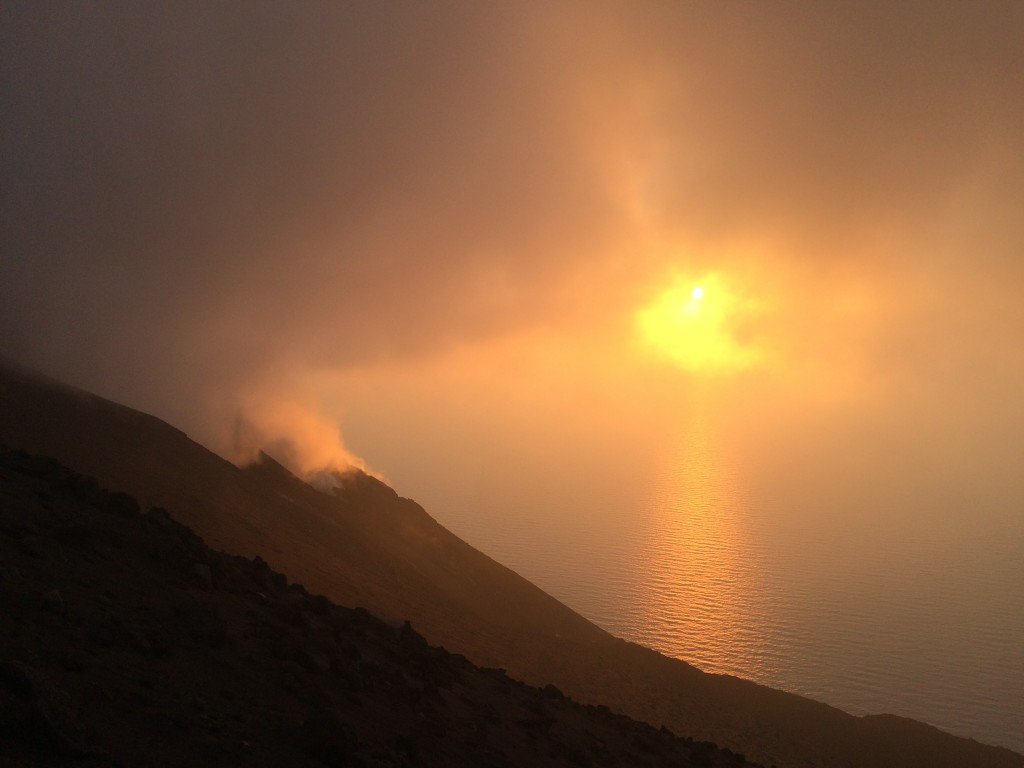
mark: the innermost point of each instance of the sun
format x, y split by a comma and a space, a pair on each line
693, 324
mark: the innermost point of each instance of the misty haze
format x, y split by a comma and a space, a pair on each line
695, 329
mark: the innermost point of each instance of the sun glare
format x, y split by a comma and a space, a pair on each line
694, 326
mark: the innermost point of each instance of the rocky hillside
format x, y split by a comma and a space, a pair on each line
363, 545
126, 641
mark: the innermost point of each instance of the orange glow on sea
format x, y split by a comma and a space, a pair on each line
701, 578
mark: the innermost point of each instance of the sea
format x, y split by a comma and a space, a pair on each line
874, 592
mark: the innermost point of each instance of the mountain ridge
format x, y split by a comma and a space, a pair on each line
128, 642
413, 568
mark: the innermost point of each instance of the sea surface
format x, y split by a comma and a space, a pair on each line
871, 594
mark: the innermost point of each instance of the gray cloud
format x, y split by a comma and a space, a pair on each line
199, 196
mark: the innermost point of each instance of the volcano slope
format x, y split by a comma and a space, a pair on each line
129, 642
362, 545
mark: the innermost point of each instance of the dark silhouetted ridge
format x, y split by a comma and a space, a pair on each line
361, 544
128, 642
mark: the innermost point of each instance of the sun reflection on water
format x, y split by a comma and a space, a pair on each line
701, 578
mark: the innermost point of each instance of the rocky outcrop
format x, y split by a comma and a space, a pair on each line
127, 642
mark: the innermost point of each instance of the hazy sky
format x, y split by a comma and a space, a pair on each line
305, 214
